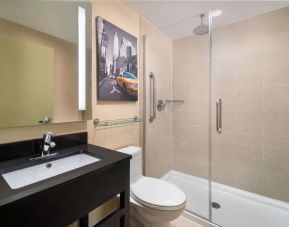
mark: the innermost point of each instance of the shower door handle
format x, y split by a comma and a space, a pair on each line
219, 115
152, 97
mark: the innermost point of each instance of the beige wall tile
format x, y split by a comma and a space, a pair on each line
249, 82
251, 103
158, 59
275, 44
243, 162
276, 155
248, 179
223, 167
276, 129
274, 92
158, 157
248, 92
255, 152
250, 66
225, 139
276, 116
276, 167
251, 127
274, 64
277, 104
249, 115
197, 165
226, 92
277, 180
276, 78
274, 142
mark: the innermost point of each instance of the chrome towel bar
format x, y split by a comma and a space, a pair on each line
174, 100
99, 122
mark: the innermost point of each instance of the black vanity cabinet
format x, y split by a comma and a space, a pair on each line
65, 198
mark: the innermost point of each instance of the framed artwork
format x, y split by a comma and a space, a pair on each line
116, 63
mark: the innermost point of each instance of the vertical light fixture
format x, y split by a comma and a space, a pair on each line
81, 60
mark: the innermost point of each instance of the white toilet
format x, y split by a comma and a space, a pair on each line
154, 202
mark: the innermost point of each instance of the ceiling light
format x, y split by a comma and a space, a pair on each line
217, 13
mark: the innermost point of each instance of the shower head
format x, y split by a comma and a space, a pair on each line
201, 29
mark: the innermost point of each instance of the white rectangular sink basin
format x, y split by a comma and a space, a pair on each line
26, 176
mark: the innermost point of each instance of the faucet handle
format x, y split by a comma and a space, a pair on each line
52, 144
49, 133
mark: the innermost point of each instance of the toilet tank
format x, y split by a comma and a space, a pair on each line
135, 162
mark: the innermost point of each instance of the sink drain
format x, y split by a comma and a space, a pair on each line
216, 205
48, 165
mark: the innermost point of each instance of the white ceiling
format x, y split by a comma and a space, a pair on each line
178, 18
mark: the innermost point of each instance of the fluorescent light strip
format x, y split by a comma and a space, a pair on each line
81, 60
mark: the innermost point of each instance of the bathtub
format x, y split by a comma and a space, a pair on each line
239, 208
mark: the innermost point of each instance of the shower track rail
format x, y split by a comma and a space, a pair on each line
99, 122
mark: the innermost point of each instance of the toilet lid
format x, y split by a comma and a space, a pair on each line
158, 194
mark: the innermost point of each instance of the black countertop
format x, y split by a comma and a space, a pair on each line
108, 157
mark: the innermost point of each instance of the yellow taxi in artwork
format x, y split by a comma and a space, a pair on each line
128, 82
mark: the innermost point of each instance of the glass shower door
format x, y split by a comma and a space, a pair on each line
249, 116
176, 72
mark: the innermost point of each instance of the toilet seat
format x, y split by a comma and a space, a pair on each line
157, 194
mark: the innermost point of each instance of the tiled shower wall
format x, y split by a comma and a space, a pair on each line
158, 143
250, 72
190, 119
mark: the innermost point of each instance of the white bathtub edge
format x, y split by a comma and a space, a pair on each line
228, 189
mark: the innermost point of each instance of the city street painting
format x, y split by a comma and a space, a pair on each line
117, 63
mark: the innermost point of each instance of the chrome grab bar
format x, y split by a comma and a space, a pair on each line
219, 115
152, 97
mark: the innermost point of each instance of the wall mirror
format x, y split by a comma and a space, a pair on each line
45, 62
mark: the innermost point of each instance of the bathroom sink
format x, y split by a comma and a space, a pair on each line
32, 172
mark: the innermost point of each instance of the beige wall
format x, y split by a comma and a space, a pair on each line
250, 73
158, 144
26, 133
115, 136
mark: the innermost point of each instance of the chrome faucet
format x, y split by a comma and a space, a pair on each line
47, 144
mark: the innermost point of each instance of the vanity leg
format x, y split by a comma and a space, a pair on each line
125, 203
83, 222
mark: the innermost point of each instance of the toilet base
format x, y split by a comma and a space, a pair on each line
163, 224
144, 217
135, 221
